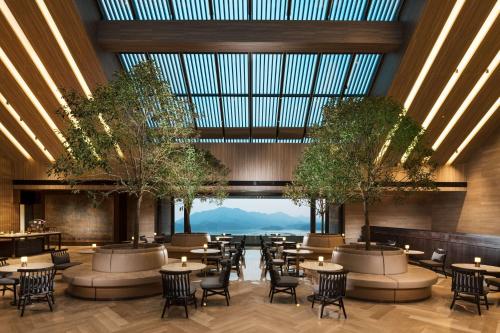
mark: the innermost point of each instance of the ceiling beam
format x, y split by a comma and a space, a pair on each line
250, 36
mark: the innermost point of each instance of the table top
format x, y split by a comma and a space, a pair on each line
487, 268
223, 242
414, 252
203, 251
86, 251
31, 265
177, 267
295, 251
33, 234
327, 266
224, 238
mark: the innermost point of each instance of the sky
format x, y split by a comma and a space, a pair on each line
267, 206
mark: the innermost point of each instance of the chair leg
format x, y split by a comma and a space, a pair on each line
312, 305
164, 308
14, 290
478, 303
186, 307
195, 302
486, 302
23, 306
270, 291
49, 302
343, 307
454, 299
3, 291
294, 295
272, 295
228, 294
227, 298
322, 308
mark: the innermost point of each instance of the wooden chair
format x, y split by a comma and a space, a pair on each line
282, 284
437, 262
331, 290
177, 290
8, 282
467, 283
61, 260
36, 285
217, 285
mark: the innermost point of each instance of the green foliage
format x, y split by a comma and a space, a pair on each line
342, 163
146, 148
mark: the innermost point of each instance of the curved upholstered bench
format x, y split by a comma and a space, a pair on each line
321, 244
182, 244
383, 275
117, 273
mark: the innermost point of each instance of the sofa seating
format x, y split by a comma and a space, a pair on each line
383, 275
321, 244
182, 244
118, 274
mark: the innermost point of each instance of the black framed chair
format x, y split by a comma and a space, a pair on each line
236, 262
142, 238
7, 281
331, 290
468, 285
36, 285
217, 285
282, 284
272, 262
214, 259
493, 281
61, 260
177, 290
437, 263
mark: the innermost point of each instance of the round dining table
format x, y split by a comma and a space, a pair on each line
31, 265
326, 267
298, 253
177, 267
487, 268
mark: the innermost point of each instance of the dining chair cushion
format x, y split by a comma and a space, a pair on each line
67, 265
287, 281
8, 281
211, 282
432, 263
61, 259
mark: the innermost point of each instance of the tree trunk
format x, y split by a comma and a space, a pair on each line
367, 224
137, 220
187, 218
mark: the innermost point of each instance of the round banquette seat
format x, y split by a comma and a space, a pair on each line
118, 272
383, 274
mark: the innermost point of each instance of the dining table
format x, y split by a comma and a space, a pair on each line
488, 268
18, 267
178, 267
298, 253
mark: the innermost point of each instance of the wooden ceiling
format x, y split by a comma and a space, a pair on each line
82, 45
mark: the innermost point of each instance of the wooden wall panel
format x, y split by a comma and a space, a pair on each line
274, 161
9, 208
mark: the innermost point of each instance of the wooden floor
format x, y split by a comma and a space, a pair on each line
249, 311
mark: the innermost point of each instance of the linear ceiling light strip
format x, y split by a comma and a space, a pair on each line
14, 141
445, 30
43, 72
36, 103
468, 100
25, 127
474, 131
71, 61
483, 31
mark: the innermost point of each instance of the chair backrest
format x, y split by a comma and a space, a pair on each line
391, 242
60, 257
332, 284
289, 245
3, 262
175, 284
235, 259
143, 238
439, 255
470, 281
36, 281
214, 245
275, 276
226, 272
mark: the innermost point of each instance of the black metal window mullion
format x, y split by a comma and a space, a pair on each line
280, 100
219, 91
188, 87
311, 95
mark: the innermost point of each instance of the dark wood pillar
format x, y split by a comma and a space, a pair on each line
335, 219
120, 218
313, 217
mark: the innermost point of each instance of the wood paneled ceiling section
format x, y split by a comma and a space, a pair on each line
467, 25
34, 26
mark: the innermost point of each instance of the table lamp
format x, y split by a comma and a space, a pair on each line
320, 260
132, 237
24, 261
184, 261
154, 233
477, 261
407, 247
297, 246
205, 247
94, 246
284, 239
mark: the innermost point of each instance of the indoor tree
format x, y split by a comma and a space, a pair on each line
130, 131
201, 176
344, 162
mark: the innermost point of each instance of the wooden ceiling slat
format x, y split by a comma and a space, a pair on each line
26, 68
72, 29
23, 106
33, 24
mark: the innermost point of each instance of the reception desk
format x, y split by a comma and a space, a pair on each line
17, 237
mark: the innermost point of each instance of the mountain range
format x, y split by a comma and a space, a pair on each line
235, 219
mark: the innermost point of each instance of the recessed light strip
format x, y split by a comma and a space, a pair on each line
26, 89
483, 31
445, 30
474, 131
468, 100
14, 141
71, 61
25, 127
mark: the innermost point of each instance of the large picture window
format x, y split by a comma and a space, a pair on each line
245, 216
